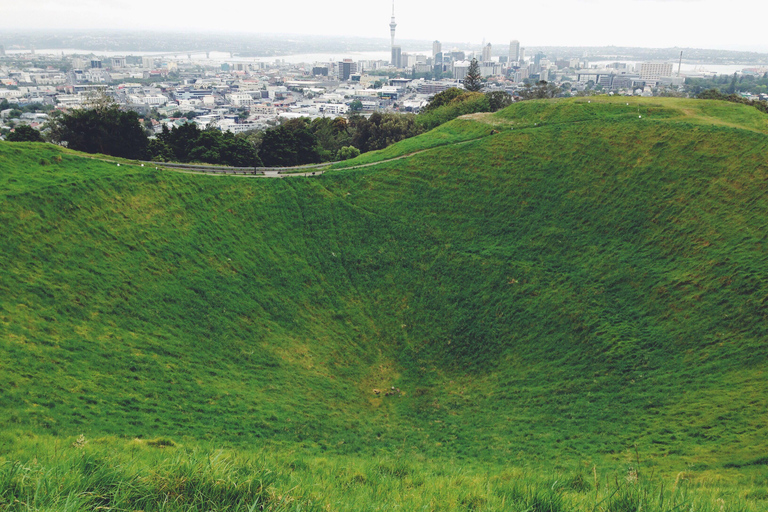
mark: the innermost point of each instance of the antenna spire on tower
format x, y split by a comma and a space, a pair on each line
392, 24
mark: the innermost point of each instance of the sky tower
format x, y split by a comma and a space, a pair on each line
392, 24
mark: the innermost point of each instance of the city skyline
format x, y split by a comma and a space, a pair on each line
640, 23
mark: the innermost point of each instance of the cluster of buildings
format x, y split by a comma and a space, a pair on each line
242, 95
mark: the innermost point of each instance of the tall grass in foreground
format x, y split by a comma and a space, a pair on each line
158, 476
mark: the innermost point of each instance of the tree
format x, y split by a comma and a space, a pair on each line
498, 100
542, 90
473, 80
356, 106
102, 129
25, 133
291, 143
347, 152
382, 130
732, 87
187, 143
443, 98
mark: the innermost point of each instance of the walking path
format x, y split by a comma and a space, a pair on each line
269, 172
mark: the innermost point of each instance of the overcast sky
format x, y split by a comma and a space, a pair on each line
647, 23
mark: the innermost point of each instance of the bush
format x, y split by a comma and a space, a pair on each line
465, 103
347, 152
25, 133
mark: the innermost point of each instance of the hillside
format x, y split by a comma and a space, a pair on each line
560, 285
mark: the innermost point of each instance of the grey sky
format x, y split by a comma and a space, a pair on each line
648, 23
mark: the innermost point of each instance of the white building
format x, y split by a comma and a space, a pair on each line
228, 125
655, 71
332, 108
240, 99
155, 100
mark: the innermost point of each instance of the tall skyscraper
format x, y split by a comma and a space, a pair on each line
436, 48
522, 56
397, 57
487, 53
514, 52
392, 24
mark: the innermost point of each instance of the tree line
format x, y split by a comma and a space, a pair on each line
105, 128
714, 94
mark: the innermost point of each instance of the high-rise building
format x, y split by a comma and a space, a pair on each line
514, 52
397, 57
537, 58
487, 53
346, 69
436, 48
522, 56
392, 24
438, 70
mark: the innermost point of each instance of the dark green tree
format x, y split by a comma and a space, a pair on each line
187, 143
443, 98
382, 130
732, 87
25, 133
291, 143
498, 100
102, 129
541, 90
473, 81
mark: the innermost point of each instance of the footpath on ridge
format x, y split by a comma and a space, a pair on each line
268, 172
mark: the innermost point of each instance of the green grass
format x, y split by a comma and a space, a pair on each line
459, 130
154, 475
583, 288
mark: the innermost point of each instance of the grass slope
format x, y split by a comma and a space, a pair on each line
582, 287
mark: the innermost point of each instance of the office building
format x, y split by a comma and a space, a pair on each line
487, 53
514, 52
436, 48
397, 57
655, 71
346, 68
